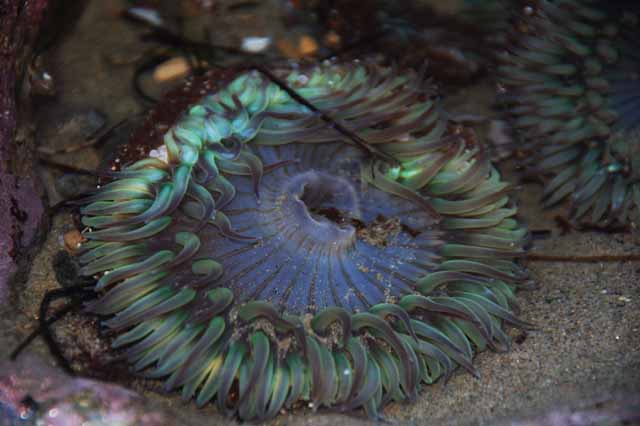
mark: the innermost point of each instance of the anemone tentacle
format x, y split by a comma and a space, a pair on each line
573, 90
269, 261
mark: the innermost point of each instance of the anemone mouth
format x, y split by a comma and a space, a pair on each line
321, 235
314, 196
320, 207
269, 261
573, 91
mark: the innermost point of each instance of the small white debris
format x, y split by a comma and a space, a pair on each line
255, 44
160, 153
148, 15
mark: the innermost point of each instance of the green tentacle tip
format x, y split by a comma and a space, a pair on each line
271, 262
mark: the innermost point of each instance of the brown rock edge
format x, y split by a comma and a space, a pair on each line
21, 209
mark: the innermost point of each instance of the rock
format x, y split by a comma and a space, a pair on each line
171, 70
21, 209
615, 410
32, 393
21, 213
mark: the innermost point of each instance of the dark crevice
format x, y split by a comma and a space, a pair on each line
338, 217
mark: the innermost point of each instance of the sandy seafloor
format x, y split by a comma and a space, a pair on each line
587, 347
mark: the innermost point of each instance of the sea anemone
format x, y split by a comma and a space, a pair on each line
572, 81
259, 258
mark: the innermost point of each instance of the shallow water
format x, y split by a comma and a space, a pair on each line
588, 340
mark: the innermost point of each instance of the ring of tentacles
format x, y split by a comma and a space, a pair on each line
572, 75
268, 261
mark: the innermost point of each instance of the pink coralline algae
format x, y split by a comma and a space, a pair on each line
32, 393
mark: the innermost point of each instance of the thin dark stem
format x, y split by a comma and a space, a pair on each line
96, 139
48, 337
535, 257
366, 41
67, 167
168, 38
88, 143
371, 150
35, 333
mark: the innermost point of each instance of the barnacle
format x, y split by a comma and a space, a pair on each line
270, 261
572, 80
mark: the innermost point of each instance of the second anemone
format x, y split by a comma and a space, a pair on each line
260, 259
572, 80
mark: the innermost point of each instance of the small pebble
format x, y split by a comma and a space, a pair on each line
307, 46
255, 44
172, 69
304, 46
332, 39
73, 240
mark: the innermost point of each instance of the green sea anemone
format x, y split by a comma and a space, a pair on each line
269, 261
572, 81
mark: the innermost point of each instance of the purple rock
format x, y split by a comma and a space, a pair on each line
34, 393
21, 213
21, 210
610, 410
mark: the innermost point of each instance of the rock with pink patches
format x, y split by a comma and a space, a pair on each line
32, 393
